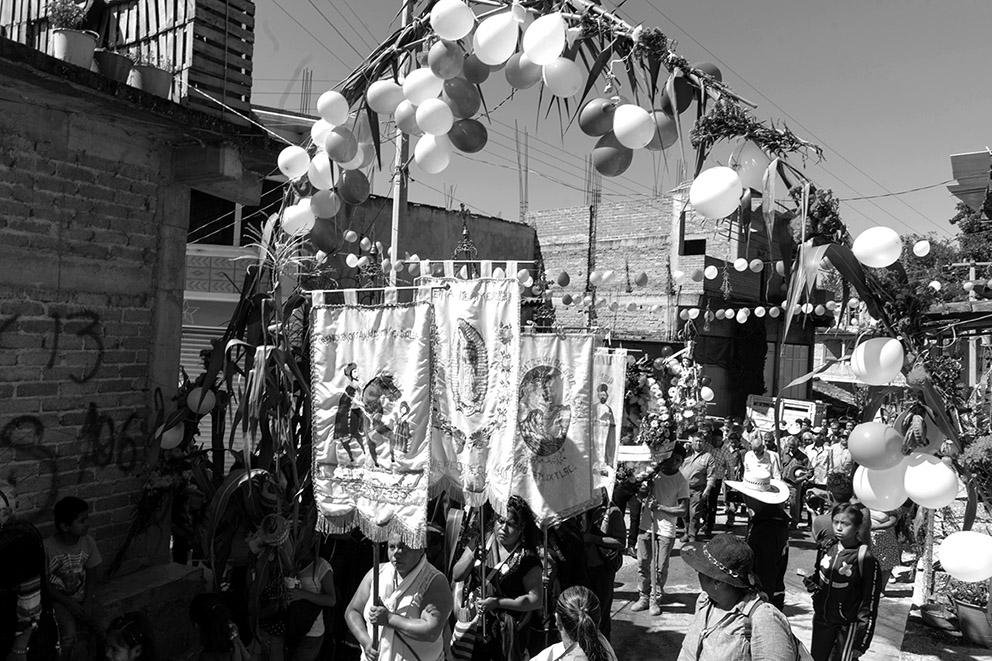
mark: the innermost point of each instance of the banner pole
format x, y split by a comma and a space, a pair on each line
375, 590
546, 585
482, 565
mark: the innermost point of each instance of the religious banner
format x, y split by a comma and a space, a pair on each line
609, 381
371, 412
551, 463
475, 375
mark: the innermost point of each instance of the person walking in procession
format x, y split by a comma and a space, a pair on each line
667, 500
759, 456
408, 613
768, 530
733, 622
845, 588
605, 536
699, 470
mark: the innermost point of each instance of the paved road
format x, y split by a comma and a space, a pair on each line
639, 636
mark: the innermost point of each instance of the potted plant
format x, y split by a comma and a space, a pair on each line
971, 602
112, 64
69, 43
152, 74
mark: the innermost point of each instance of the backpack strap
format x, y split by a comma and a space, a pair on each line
747, 617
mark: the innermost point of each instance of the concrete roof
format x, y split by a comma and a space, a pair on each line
972, 172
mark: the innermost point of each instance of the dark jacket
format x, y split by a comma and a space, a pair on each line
849, 589
768, 537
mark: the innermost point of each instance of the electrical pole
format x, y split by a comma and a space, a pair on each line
972, 341
400, 176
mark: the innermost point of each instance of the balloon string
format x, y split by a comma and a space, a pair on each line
241, 115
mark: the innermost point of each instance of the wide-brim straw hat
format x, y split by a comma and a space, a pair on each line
726, 558
759, 484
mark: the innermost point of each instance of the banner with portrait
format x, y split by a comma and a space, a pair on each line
475, 375
551, 464
609, 381
371, 412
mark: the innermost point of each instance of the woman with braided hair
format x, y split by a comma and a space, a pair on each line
577, 613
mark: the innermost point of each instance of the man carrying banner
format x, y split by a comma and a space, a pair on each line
405, 621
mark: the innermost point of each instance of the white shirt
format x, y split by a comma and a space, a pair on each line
668, 490
769, 461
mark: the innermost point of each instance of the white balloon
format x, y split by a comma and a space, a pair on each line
452, 19
607, 277
333, 107
929, 481
406, 118
293, 162
298, 219
711, 272
877, 361
935, 285
694, 313
881, 490
742, 315
759, 312
325, 204
750, 162
544, 40
421, 84
366, 154
756, 265
595, 278
716, 193
384, 96
319, 131
967, 555
201, 401
496, 38
921, 248
432, 153
740, 264
633, 125
878, 247
434, 117
706, 394
564, 78
774, 313
319, 173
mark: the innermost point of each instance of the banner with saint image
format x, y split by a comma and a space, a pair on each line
551, 464
475, 377
609, 381
371, 412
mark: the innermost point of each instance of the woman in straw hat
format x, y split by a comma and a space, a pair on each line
733, 622
768, 529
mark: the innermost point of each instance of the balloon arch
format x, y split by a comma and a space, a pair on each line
566, 48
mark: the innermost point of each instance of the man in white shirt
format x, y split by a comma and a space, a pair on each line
760, 456
820, 460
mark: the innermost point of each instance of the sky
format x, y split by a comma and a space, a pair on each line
889, 88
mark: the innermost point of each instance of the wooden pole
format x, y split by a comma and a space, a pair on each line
482, 565
375, 590
400, 178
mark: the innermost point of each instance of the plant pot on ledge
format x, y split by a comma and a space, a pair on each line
74, 46
112, 64
974, 623
151, 79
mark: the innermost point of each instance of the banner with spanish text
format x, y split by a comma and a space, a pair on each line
475, 375
371, 414
552, 466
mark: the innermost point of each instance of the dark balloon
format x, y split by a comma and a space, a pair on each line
353, 187
474, 70
596, 118
705, 380
610, 158
684, 92
710, 69
468, 135
325, 236
659, 364
666, 350
462, 96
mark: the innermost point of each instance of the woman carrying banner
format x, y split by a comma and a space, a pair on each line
405, 620
503, 581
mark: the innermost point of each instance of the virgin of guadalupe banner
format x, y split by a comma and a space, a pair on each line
609, 381
371, 413
475, 377
552, 466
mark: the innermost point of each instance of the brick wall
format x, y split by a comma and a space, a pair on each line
90, 296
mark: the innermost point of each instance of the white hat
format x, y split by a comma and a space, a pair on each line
759, 484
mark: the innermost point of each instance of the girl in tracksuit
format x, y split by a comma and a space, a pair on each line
846, 589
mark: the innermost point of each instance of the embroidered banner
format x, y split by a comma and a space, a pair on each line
371, 413
475, 376
609, 381
552, 466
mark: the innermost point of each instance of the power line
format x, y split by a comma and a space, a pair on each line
808, 130
372, 38
330, 23
312, 35
902, 192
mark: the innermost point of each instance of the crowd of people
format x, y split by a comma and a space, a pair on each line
504, 592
